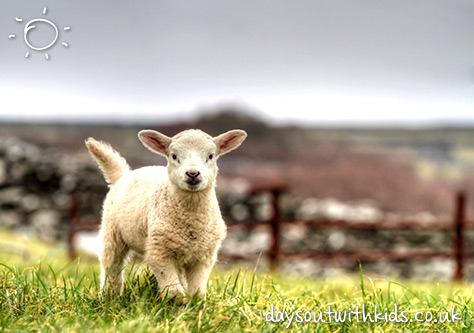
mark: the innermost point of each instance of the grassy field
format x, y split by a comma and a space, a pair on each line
41, 291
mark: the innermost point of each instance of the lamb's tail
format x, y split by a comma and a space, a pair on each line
112, 165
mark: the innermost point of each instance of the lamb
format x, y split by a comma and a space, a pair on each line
169, 216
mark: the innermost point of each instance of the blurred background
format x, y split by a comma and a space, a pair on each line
364, 110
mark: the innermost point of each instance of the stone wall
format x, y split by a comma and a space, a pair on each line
36, 185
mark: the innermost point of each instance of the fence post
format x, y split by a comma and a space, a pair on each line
459, 228
274, 253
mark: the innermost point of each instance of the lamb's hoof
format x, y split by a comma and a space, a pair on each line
109, 291
175, 292
184, 300
196, 297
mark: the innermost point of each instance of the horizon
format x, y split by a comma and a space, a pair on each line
200, 117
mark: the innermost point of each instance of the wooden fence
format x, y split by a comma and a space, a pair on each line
458, 226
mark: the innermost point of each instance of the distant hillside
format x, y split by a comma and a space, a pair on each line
403, 170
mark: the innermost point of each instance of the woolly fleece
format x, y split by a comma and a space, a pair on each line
167, 215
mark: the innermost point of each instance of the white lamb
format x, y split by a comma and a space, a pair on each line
169, 216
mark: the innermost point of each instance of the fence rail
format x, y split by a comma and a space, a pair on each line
458, 226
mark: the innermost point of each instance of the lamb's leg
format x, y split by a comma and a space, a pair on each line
197, 277
112, 258
166, 273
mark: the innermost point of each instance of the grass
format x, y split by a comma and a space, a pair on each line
42, 291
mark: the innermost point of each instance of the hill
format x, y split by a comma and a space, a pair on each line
400, 169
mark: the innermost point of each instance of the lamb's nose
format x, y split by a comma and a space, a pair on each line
193, 174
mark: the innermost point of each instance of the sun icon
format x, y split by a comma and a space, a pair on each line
31, 25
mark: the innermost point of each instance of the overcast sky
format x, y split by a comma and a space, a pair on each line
309, 61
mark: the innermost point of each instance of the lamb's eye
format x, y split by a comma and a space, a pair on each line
174, 156
211, 156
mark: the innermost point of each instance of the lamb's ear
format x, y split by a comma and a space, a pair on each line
229, 141
155, 141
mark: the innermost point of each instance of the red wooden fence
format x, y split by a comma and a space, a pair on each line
458, 225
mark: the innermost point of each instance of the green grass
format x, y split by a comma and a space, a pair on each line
42, 291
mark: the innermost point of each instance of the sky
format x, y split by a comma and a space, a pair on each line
304, 62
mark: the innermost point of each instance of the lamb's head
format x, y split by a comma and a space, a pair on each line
192, 155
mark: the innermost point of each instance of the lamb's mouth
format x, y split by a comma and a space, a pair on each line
193, 184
